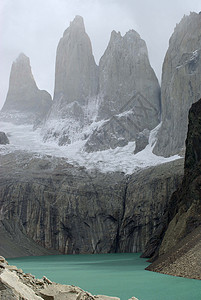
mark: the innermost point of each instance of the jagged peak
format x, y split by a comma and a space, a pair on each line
132, 33
22, 58
115, 34
193, 16
76, 25
78, 21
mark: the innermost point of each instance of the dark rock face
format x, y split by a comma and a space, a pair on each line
15, 242
23, 96
142, 141
183, 213
181, 84
3, 138
75, 211
147, 194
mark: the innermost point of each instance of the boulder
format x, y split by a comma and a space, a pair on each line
16, 285
3, 138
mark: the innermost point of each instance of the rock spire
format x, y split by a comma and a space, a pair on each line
23, 94
181, 84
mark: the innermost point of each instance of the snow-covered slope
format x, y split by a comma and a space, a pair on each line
122, 159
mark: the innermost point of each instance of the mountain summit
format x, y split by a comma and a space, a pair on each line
181, 84
88, 97
76, 73
23, 94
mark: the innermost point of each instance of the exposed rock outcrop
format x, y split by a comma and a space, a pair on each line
129, 93
182, 217
147, 194
76, 85
3, 138
181, 84
15, 285
24, 101
76, 74
125, 71
123, 93
72, 210
15, 242
183, 259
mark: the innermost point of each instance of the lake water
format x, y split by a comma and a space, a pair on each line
120, 275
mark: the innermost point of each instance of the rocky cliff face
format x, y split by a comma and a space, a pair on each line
23, 96
122, 93
129, 93
75, 211
124, 72
76, 73
181, 85
147, 195
76, 86
182, 217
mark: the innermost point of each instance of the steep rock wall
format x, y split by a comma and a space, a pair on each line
181, 84
181, 231
76, 211
129, 93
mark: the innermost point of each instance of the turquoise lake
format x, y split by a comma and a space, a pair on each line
120, 275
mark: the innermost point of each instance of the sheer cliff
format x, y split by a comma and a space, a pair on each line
72, 210
180, 235
181, 84
129, 93
76, 86
105, 106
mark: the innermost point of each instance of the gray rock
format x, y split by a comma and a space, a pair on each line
76, 85
125, 71
76, 75
15, 285
181, 84
142, 141
124, 127
147, 194
3, 138
86, 212
178, 242
129, 93
24, 97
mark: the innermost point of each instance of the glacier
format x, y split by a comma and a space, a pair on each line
120, 159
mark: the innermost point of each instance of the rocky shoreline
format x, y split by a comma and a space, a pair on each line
183, 260
15, 284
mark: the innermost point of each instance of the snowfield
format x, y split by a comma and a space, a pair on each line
122, 159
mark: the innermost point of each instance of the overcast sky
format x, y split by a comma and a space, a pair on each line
34, 27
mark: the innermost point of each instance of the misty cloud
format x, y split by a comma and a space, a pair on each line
35, 27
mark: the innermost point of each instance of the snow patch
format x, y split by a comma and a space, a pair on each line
122, 159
